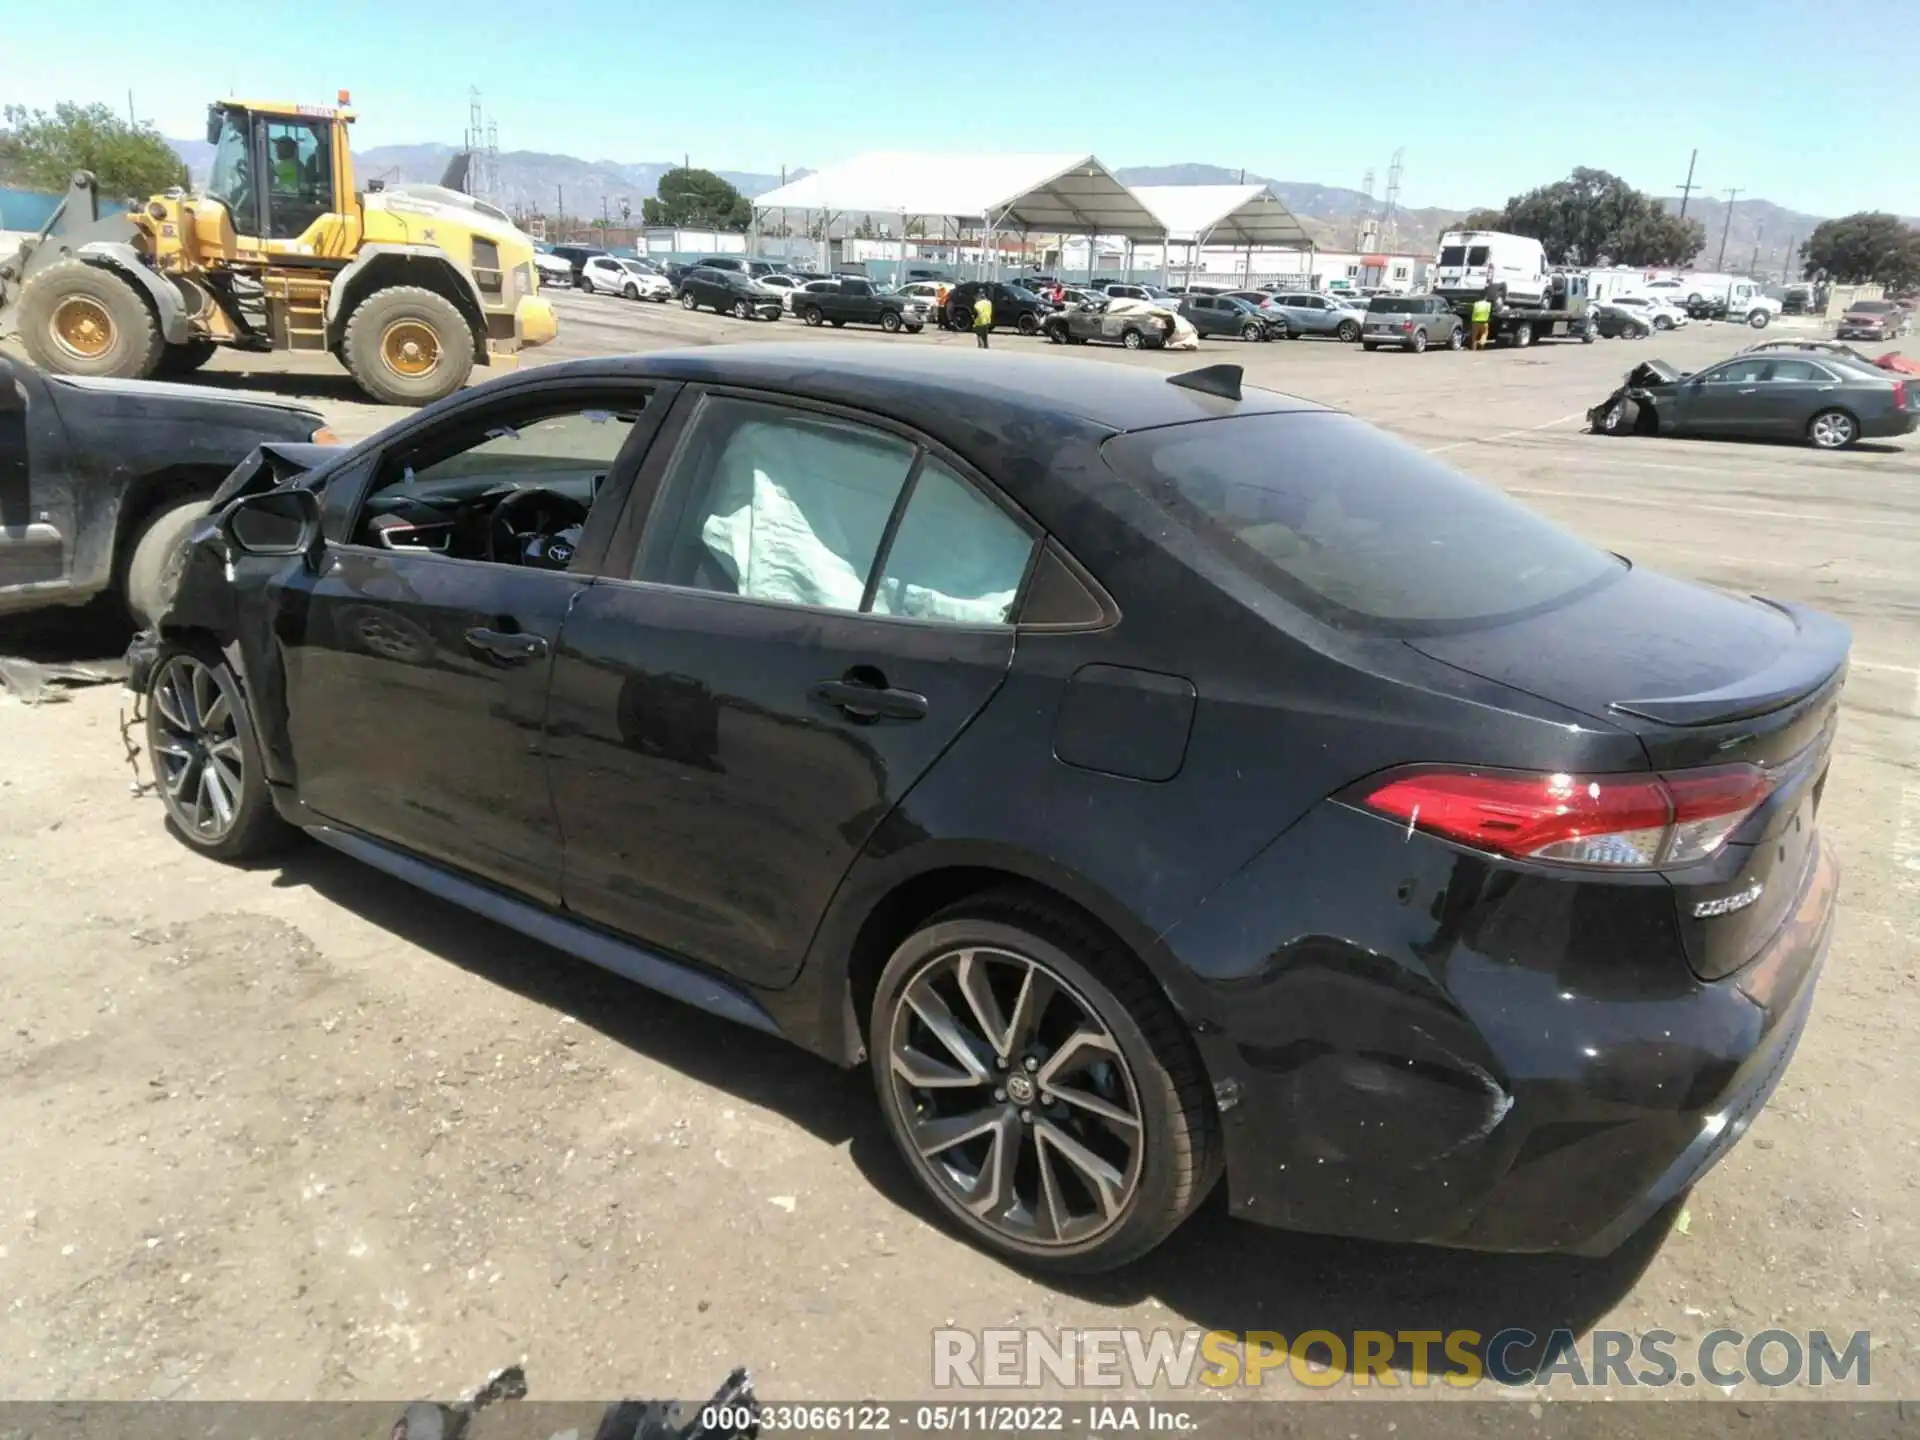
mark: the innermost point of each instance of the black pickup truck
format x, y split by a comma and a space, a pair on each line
847, 300
99, 479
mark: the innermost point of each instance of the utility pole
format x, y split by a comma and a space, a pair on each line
1720, 265
130, 117
1786, 272
1686, 190
606, 216
560, 219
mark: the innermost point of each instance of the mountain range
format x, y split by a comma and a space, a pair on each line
535, 182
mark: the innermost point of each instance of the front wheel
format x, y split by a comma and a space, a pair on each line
1621, 417
1252, 331
1456, 338
1663, 322
687, 302
890, 322
144, 583
1349, 331
632, 292
408, 346
184, 359
206, 758
1040, 1086
1832, 430
742, 310
81, 319
1759, 319
1522, 335
1056, 335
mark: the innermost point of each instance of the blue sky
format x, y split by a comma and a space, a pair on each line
1289, 90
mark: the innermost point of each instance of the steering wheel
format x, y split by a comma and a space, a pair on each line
524, 516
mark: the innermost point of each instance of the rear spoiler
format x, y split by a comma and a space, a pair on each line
269, 467
1817, 657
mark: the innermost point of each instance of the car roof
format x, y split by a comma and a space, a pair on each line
922, 383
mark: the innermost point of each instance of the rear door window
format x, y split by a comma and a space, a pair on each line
1357, 528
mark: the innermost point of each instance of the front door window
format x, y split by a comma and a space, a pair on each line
231, 179
299, 176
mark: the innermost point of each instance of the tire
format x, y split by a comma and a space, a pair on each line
812, 316
1252, 331
1349, 331
687, 301
632, 292
1760, 319
1457, 338
1832, 430
197, 721
1056, 334
890, 321
1417, 343
1663, 322
1028, 324
838, 324
1132, 338
1522, 335
385, 331
142, 584
915, 329
184, 359
1588, 332
1621, 417
81, 319
1368, 345
742, 310
1147, 1070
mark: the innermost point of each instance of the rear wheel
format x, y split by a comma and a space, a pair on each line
811, 315
1418, 342
206, 758
408, 346
81, 319
1368, 345
1132, 339
1832, 430
1028, 324
1040, 1086
1663, 322
890, 321
1349, 331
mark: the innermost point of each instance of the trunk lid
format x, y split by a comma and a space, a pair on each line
1700, 678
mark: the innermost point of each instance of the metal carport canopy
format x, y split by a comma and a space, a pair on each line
1241, 216
1067, 194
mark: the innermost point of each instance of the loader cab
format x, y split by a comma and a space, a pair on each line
281, 173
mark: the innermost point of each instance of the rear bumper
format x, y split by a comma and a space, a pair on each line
1892, 425
1453, 1052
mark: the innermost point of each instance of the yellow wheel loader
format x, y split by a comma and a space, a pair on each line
408, 286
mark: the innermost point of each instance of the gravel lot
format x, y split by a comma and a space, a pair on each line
301, 1132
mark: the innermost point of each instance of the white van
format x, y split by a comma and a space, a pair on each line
1516, 264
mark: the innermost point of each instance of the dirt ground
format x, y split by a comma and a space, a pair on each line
301, 1132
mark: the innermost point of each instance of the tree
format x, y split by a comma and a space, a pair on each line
1868, 246
698, 199
1593, 215
39, 151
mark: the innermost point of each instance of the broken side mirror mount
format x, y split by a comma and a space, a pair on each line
276, 522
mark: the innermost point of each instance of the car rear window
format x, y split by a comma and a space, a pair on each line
1393, 305
1454, 255
1356, 527
1873, 307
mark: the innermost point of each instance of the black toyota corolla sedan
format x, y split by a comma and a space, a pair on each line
1145, 777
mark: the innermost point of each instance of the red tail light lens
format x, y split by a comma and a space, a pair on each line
1899, 394
1635, 822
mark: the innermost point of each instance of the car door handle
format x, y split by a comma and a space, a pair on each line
506, 645
871, 702
1748, 389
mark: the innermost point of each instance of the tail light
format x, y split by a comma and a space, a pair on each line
1407, 325
1630, 822
1899, 394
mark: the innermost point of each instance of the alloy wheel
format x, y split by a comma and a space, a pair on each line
1831, 430
1015, 1098
196, 747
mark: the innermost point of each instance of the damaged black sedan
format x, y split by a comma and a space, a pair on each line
1828, 400
1137, 810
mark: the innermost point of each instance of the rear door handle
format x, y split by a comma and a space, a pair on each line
506, 645
871, 702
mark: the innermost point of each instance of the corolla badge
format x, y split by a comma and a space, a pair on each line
1727, 904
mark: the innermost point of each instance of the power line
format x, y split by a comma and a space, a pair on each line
1720, 265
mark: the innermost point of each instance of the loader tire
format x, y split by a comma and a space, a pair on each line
408, 346
81, 319
184, 359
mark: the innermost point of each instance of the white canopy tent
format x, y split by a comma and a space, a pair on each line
1050, 193
1249, 217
